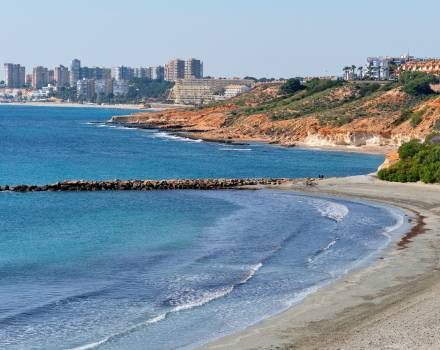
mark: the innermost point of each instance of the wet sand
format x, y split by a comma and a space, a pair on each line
392, 304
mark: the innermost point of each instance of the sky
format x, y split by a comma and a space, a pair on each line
261, 38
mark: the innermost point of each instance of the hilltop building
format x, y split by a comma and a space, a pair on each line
14, 75
203, 91
431, 66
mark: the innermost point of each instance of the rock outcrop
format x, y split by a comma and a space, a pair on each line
368, 122
146, 185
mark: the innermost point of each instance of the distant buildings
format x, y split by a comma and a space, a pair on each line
203, 91
193, 69
40, 77
120, 87
122, 73
103, 87
174, 70
431, 66
14, 75
235, 90
90, 82
61, 76
157, 73
387, 67
75, 72
85, 89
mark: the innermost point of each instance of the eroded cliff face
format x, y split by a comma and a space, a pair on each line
376, 123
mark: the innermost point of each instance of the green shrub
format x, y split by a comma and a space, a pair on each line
416, 118
418, 162
317, 85
291, 86
368, 89
404, 116
416, 83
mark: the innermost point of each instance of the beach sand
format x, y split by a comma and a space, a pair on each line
392, 304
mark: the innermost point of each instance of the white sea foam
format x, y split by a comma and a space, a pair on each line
206, 297
168, 136
185, 304
332, 210
251, 272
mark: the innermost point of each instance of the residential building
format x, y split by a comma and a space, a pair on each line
103, 87
385, 67
193, 69
85, 89
120, 87
202, 91
96, 73
61, 76
51, 76
14, 75
28, 80
431, 66
174, 70
235, 90
122, 73
75, 72
141, 73
40, 77
156, 73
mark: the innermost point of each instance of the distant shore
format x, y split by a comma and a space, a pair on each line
392, 304
154, 107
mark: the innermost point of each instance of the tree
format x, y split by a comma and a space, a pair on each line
353, 69
417, 83
291, 86
346, 70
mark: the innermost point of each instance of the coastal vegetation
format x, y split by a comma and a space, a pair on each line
317, 111
418, 162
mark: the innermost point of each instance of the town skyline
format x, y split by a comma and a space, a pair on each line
258, 38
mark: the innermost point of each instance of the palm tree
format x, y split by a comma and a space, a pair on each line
353, 69
346, 69
360, 70
369, 70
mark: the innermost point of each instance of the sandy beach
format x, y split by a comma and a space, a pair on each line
392, 304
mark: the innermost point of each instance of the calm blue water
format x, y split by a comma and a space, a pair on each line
163, 269
41, 145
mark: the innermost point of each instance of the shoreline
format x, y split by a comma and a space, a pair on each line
374, 150
370, 307
136, 107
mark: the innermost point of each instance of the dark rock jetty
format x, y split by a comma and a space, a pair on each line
145, 185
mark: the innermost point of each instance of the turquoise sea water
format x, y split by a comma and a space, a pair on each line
163, 269
41, 145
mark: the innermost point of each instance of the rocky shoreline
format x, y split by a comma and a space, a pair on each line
148, 185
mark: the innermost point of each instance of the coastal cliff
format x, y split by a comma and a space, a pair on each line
353, 115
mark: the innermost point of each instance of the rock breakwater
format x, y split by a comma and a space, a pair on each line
145, 185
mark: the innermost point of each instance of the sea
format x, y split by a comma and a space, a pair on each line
163, 269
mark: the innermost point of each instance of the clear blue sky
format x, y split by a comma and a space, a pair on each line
273, 38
